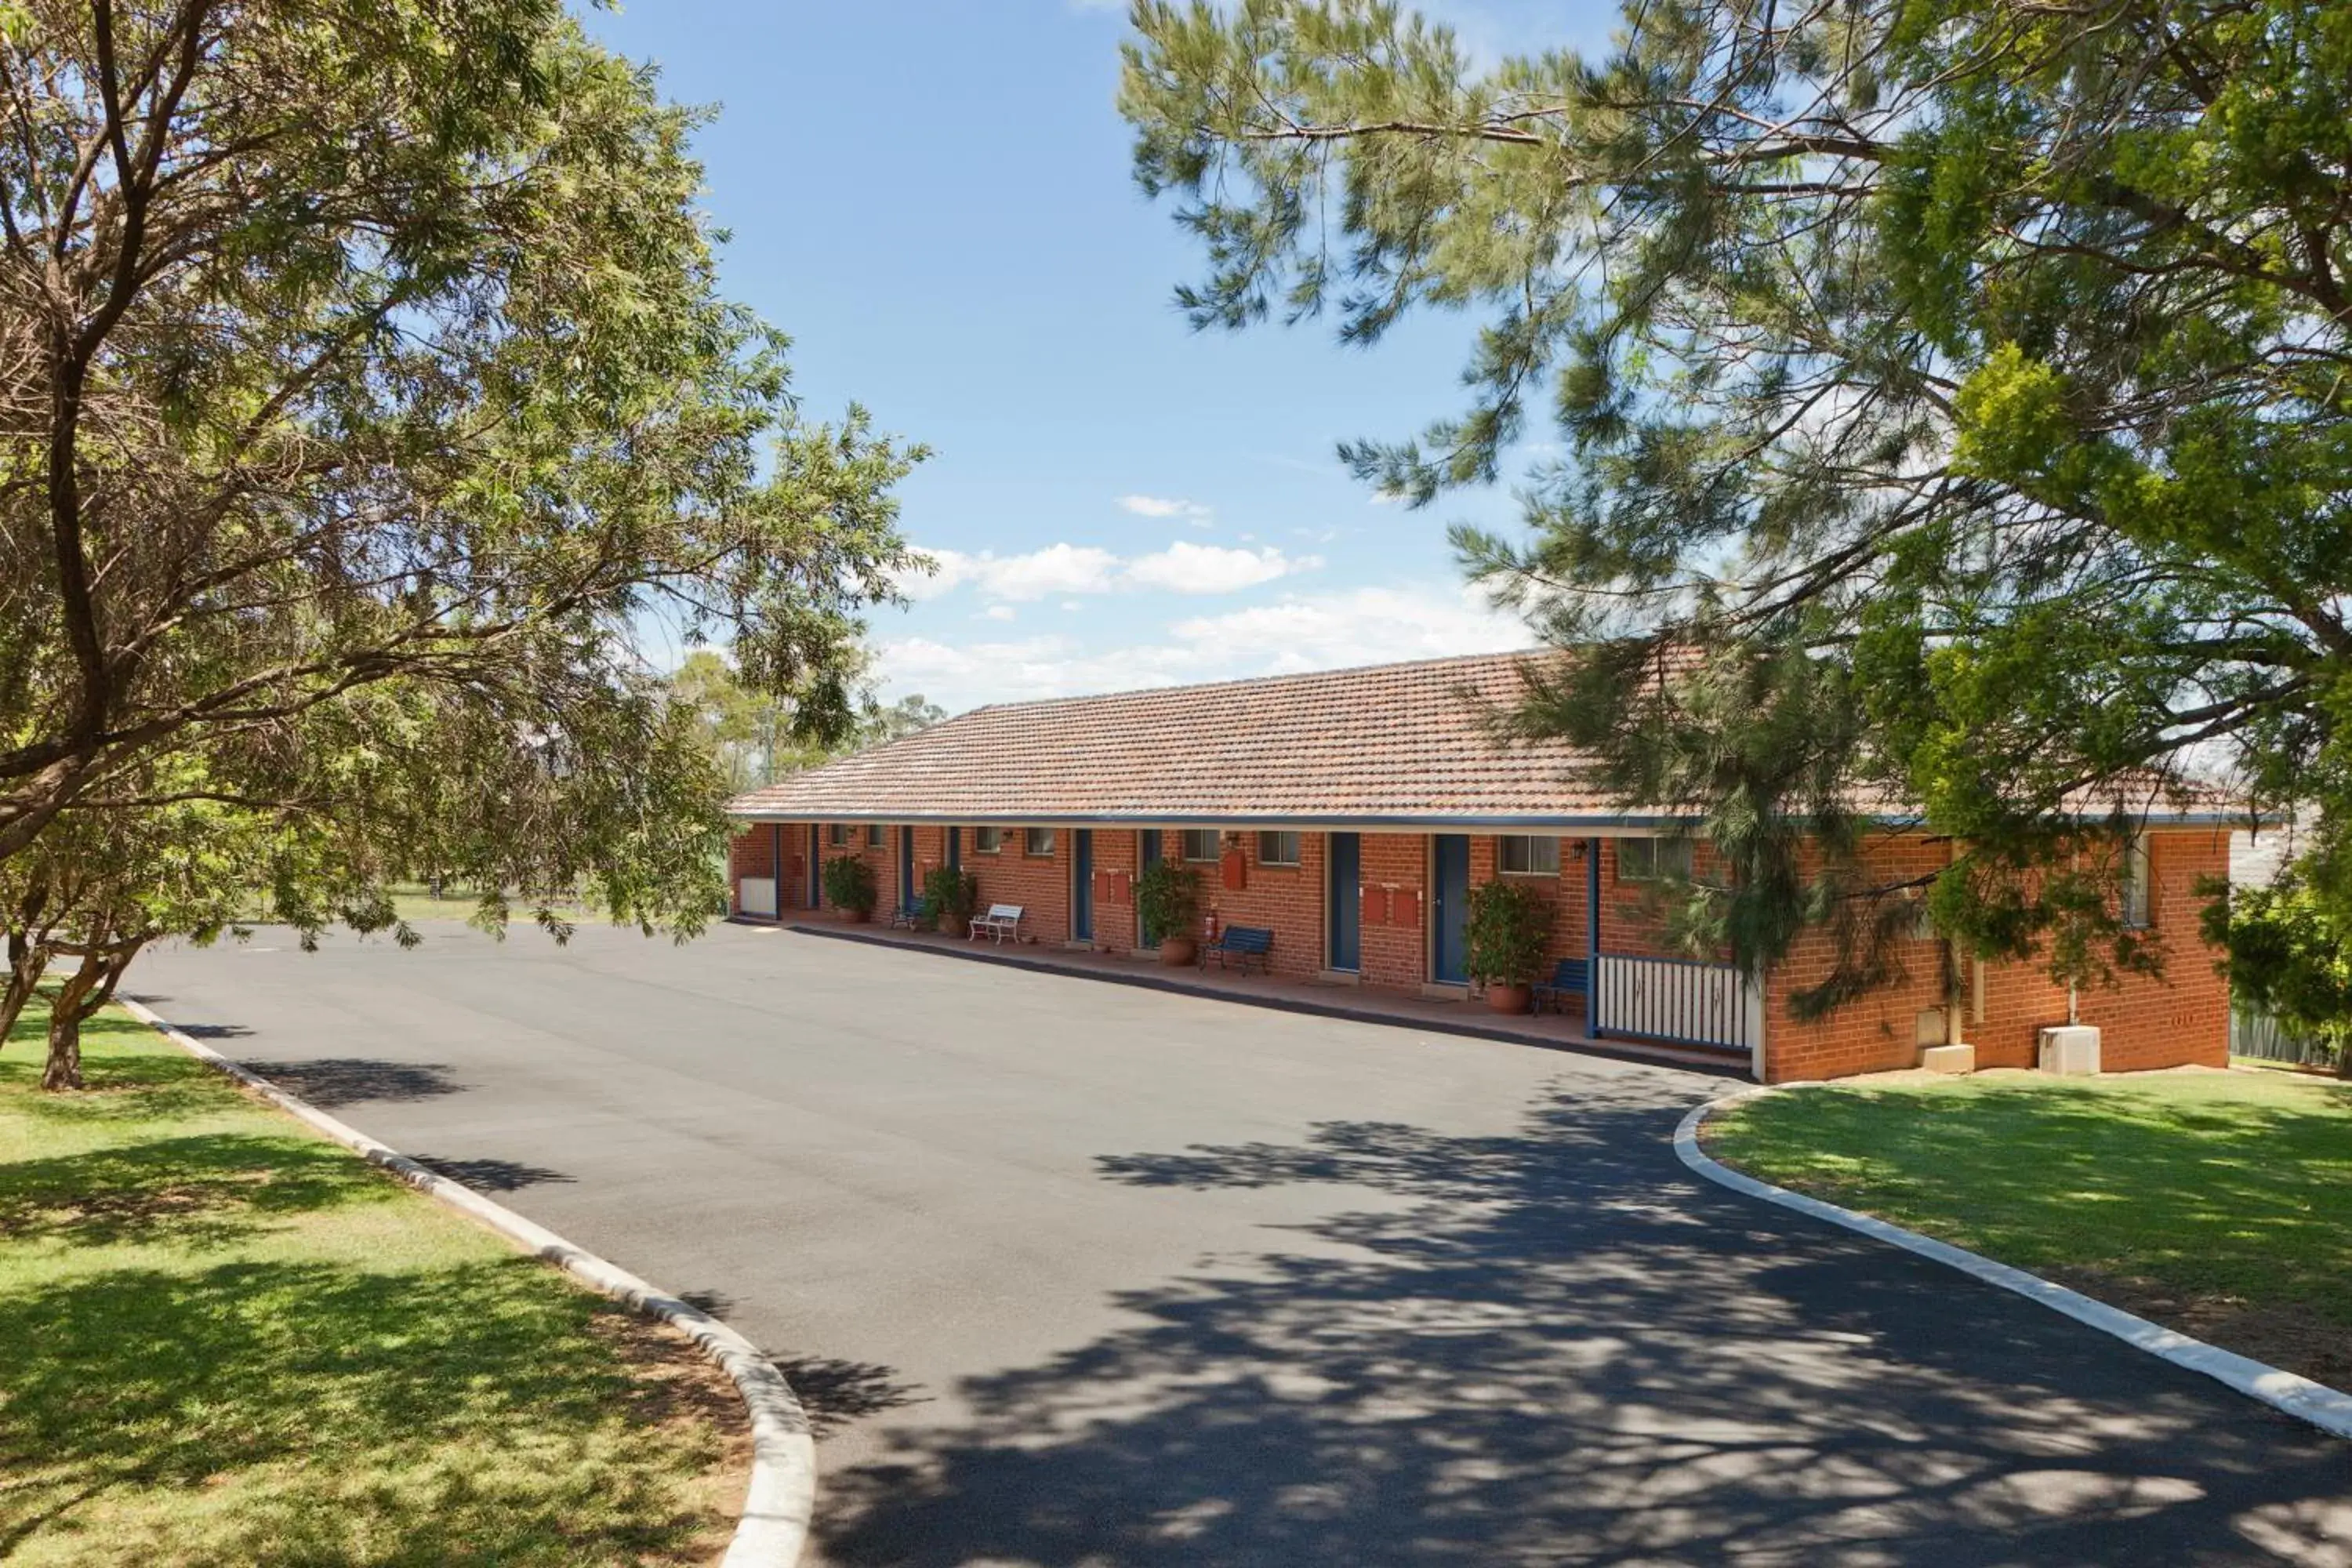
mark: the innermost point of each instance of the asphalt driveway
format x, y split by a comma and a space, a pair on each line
1078, 1275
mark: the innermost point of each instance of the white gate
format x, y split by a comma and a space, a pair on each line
756, 896
1678, 999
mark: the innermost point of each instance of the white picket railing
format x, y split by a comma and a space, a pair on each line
756, 896
1678, 999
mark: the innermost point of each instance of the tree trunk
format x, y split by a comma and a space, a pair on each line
28, 956
26, 959
86, 990
66, 1013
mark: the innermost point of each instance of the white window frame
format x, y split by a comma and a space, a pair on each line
1659, 851
1033, 836
1530, 843
2139, 892
1270, 848
1184, 838
836, 835
988, 841
874, 836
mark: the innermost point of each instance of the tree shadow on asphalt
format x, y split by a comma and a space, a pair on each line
834, 1393
329, 1082
1558, 1346
491, 1176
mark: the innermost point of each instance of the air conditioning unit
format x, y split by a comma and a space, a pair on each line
2071, 1050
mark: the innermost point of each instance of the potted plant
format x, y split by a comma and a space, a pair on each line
950, 897
849, 885
1509, 925
1168, 903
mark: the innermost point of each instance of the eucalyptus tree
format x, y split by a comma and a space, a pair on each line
364, 386
1946, 404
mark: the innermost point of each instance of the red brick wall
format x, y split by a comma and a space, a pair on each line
755, 851
2181, 1018
1120, 850
1876, 1032
1396, 954
1286, 898
883, 859
1039, 884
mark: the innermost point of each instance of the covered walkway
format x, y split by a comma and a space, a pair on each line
1362, 1003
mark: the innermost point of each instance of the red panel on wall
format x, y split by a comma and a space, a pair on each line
1375, 906
1236, 870
1404, 907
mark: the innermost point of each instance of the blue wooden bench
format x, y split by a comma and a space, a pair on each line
1241, 945
1569, 977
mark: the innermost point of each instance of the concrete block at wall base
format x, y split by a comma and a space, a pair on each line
2071, 1050
1950, 1058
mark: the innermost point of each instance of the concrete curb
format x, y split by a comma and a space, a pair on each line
2324, 1408
782, 1494
1726, 1067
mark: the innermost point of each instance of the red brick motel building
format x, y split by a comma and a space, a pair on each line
1353, 811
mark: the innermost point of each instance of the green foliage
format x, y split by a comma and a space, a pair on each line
757, 739
371, 391
1947, 411
236, 1342
849, 884
2289, 952
950, 897
1167, 900
1508, 928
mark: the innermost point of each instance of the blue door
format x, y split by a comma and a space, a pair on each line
1449, 913
955, 848
1082, 885
905, 868
1347, 902
815, 865
1146, 854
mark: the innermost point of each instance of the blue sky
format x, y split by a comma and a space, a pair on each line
934, 201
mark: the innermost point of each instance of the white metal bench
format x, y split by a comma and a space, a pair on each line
1001, 922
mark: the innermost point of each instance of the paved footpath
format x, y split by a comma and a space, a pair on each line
1079, 1275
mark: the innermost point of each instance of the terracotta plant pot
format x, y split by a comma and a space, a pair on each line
1177, 951
1507, 998
860, 916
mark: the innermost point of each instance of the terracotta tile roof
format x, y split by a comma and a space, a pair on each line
1388, 743
1392, 743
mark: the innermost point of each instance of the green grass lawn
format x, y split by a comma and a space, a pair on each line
414, 901
223, 1339
2217, 1203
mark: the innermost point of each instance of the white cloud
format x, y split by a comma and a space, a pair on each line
1167, 506
1000, 613
1057, 569
1063, 569
1358, 626
1299, 632
1187, 568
